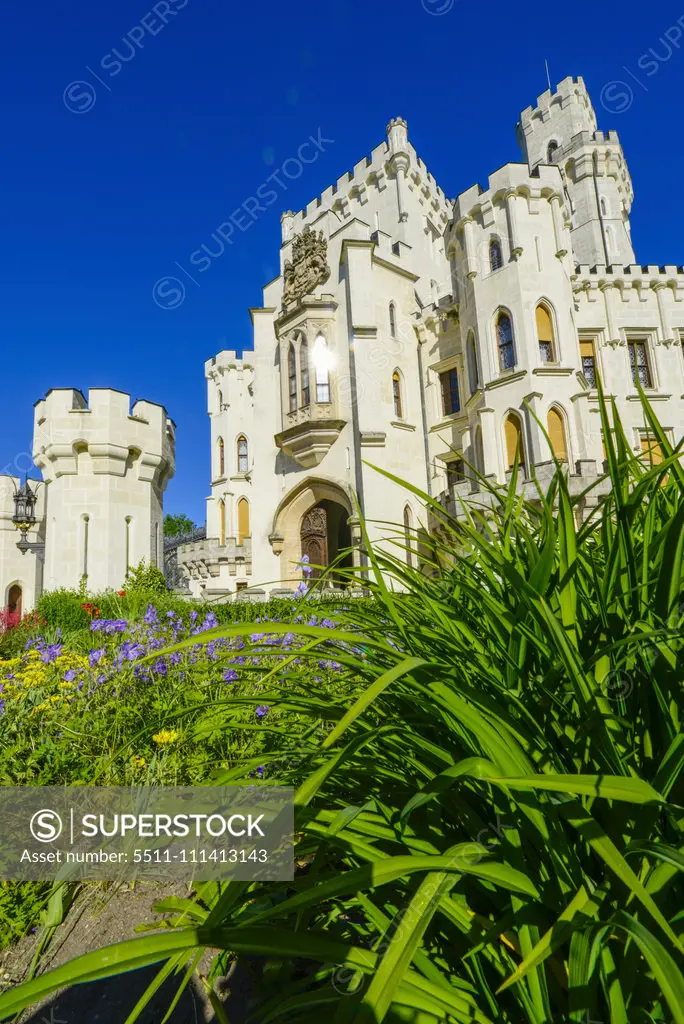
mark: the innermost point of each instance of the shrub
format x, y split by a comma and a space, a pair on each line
145, 579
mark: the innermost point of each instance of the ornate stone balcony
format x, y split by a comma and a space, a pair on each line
310, 433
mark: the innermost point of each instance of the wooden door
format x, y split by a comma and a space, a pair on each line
314, 535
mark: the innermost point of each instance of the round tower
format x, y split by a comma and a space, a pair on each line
106, 466
562, 130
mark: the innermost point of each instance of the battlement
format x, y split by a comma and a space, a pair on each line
227, 361
107, 428
557, 118
543, 182
571, 93
370, 172
633, 275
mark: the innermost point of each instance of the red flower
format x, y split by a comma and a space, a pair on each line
122, 593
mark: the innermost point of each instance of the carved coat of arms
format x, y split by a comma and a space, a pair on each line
308, 267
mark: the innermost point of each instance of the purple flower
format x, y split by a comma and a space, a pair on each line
230, 675
175, 658
302, 589
95, 656
262, 711
150, 616
70, 675
51, 653
160, 667
193, 616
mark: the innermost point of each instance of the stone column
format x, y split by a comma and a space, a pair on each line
472, 265
558, 226
660, 288
609, 297
514, 233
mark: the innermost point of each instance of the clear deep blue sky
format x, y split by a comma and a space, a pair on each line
99, 205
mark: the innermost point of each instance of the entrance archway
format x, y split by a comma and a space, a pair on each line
312, 519
324, 534
14, 602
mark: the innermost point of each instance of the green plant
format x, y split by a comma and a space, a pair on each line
493, 819
145, 578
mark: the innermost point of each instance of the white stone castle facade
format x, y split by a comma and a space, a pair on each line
422, 335
405, 330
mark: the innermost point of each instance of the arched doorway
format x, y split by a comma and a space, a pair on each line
286, 536
324, 533
14, 602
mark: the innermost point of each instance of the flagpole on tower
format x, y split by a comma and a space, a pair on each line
548, 76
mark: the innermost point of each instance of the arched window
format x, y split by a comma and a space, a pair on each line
545, 334
221, 457
514, 441
604, 206
222, 522
242, 520
304, 370
219, 400
552, 147
242, 454
396, 394
292, 377
321, 357
556, 432
495, 255
473, 372
408, 531
393, 319
504, 340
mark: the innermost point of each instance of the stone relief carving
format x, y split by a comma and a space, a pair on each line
308, 267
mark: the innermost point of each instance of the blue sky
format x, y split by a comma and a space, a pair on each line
114, 175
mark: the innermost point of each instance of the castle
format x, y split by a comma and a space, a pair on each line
408, 331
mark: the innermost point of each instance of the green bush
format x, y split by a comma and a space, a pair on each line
490, 828
63, 609
146, 579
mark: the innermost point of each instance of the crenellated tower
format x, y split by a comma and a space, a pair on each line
562, 130
105, 466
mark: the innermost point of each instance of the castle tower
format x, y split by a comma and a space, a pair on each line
105, 467
562, 130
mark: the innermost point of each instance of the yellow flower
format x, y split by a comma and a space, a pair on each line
165, 736
138, 762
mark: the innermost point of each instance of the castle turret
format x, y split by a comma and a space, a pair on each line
106, 466
562, 130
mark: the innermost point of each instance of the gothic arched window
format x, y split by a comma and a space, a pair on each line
396, 394
304, 370
504, 340
556, 431
408, 534
321, 358
221, 457
495, 255
242, 454
393, 319
514, 441
292, 377
545, 334
243, 529
552, 147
